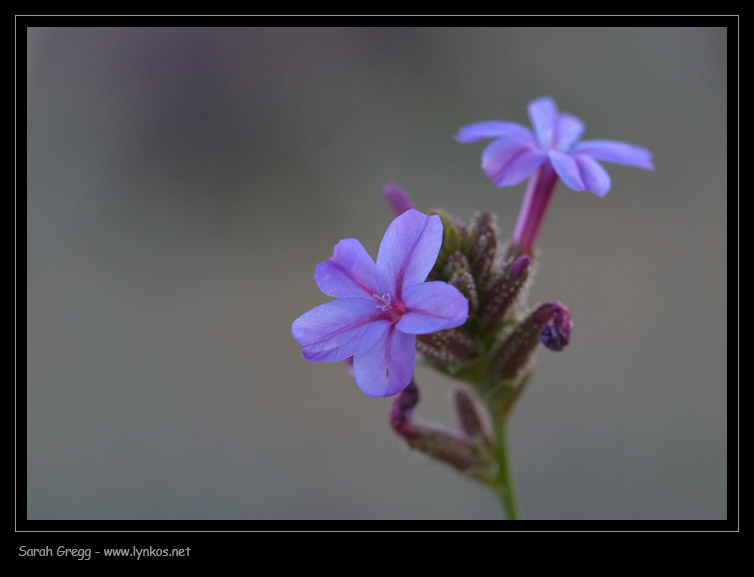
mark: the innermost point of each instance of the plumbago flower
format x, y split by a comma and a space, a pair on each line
382, 306
554, 150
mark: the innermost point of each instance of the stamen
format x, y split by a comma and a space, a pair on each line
385, 300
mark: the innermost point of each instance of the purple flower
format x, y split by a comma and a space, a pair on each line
381, 307
555, 320
552, 151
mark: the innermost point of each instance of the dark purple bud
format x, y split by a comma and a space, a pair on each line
457, 263
449, 346
397, 198
503, 292
550, 324
449, 448
512, 358
556, 325
469, 417
402, 409
459, 343
484, 246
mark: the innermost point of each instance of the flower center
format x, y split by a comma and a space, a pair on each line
396, 309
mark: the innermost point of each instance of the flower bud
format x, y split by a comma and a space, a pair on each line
457, 263
446, 446
397, 198
556, 326
469, 417
402, 409
503, 291
465, 284
549, 324
454, 235
484, 246
449, 346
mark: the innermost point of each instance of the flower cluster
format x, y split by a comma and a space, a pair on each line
494, 349
455, 292
438, 286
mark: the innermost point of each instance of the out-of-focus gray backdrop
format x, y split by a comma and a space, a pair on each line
183, 184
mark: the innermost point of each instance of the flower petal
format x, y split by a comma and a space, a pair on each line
431, 307
543, 113
490, 129
350, 272
336, 330
580, 172
511, 159
617, 152
408, 251
387, 366
569, 130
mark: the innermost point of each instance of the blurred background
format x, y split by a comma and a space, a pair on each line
183, 184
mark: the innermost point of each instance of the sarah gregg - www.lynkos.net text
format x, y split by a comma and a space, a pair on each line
85, 554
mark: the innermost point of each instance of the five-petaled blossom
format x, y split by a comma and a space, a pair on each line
553, 150
381, 306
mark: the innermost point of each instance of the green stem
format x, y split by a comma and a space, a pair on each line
503, 484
